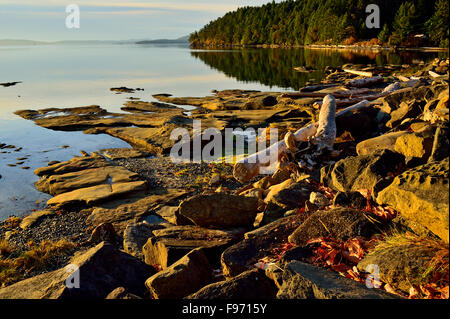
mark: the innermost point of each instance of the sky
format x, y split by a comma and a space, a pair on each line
45, 20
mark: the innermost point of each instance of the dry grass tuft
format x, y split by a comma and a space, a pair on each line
438, 266
37, 258
12, 222
5, 248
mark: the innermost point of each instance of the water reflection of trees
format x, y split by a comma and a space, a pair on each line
275, 67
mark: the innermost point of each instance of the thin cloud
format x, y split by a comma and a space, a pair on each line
196, 6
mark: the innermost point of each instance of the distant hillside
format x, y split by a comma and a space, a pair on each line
12, 42
182, 40
305, 22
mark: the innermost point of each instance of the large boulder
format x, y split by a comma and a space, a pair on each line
340, 223
101, 269
252, 284
258, 244
363, 172
350, 199
168, 245
422, 195
394, 100
184, 277
418, 144
304, 281
220, 210
289, 195
372, 145
409, 109
136, 235
128, 211
121, 293
401, 264
353, 121
436, 110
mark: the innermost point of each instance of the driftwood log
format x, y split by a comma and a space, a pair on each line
437, 76
337, 94
320, 133
365, 82
402, 78
313, 88
358, 98
249, 167
326, 129
360, 73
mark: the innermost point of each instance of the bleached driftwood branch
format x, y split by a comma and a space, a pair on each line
361, 73
326, 130
437, 76
249, 167
402, 78
337, 94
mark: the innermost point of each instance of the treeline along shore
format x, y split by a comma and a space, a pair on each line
415, 23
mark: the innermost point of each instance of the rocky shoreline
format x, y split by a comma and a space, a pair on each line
351, 47
139, 226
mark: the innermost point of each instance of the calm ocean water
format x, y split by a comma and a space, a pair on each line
71, 76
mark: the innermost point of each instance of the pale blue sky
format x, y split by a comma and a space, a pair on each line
111, 19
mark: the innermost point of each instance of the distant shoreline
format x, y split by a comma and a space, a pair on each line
323, 46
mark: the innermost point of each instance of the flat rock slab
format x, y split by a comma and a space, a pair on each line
422, 196
304, 281
184, 277
258, 244
225, 100
35, 217
340, 223
102, 269
83, 118
220, 210
96, 194
56, 112
74, 165
168, 245
252, 284
58, 184
123, 153
142, 107
125, 212
155, 140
